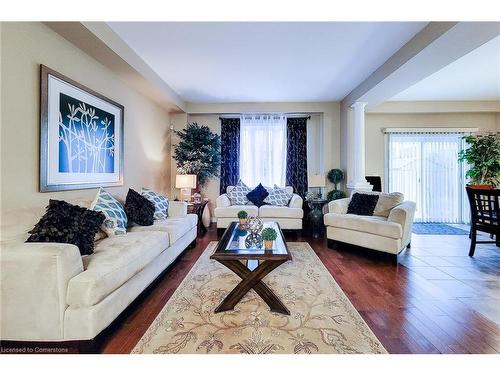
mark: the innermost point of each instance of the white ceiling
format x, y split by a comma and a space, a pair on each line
265, 62
475, 76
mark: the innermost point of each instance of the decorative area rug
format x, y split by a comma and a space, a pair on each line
321, 320
429, 228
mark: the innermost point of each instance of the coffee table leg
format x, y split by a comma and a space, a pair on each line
252, 279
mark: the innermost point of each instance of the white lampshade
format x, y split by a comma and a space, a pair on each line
316, 180
183, 181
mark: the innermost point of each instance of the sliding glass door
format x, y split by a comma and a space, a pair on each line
424, 167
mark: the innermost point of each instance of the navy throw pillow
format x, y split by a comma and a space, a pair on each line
362, 204
257, 195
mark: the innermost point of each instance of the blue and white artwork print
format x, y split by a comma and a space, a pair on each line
82, 136
86, 137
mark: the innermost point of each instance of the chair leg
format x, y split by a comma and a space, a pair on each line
473, 234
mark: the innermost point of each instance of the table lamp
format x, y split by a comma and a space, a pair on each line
316, 181
185, 182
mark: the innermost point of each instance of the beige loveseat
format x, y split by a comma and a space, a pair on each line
289, 217
388, 230
49, 292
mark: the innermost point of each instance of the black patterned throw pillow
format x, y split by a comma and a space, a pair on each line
67, 223
238, 194
362, 204
139, 209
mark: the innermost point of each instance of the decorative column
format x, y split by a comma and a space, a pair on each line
356, 172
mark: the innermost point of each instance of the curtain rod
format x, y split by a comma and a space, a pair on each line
270, 114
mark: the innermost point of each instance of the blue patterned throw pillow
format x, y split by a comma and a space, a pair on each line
160, 202
238, 194
278, 197
116, 218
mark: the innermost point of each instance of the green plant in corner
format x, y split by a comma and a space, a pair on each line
198, 152
483, 158
335, 176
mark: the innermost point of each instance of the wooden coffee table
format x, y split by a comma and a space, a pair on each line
252, 263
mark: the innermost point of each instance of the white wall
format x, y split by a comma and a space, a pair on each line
24, 46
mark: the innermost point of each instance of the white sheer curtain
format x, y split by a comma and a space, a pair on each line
263, 150
424, 167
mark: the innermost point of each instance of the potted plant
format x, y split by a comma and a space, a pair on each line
198, 153
242, 215
483, 158
269, 235
335, 176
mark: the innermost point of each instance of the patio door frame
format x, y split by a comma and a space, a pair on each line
462, 168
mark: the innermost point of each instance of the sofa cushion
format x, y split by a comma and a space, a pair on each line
67, 223
116, 218
238, 194
278, 197
362, 204
281, 212
232, 211
369, 224
386, 202
139, 209
115, 260
257, 195
161, 203
176, 227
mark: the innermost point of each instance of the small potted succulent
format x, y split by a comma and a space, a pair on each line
242, 215
269, 235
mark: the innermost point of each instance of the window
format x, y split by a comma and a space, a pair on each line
425, 168
263, 150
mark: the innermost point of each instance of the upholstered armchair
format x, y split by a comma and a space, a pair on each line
388, 230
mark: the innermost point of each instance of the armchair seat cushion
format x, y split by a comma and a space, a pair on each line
232, 211
280, 212
369, 224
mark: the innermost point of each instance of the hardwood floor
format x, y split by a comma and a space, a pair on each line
436, 300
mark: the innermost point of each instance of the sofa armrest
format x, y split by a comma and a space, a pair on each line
34, 283
338, 206
222, 201
177, 208
296, 201
403, 214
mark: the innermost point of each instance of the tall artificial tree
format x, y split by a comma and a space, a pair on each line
198, 152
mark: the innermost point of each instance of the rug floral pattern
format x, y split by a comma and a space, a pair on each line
321, 320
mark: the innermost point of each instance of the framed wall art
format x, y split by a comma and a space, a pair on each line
81, 136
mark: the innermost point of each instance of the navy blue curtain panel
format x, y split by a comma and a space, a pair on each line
230, 153
296, 154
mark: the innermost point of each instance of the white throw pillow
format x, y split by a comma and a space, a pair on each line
278, 197
238, 194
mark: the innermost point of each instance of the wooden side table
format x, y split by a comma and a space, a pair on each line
315, 217
198, 208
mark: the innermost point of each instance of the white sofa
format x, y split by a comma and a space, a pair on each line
289, 217
49, 292
388, 230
